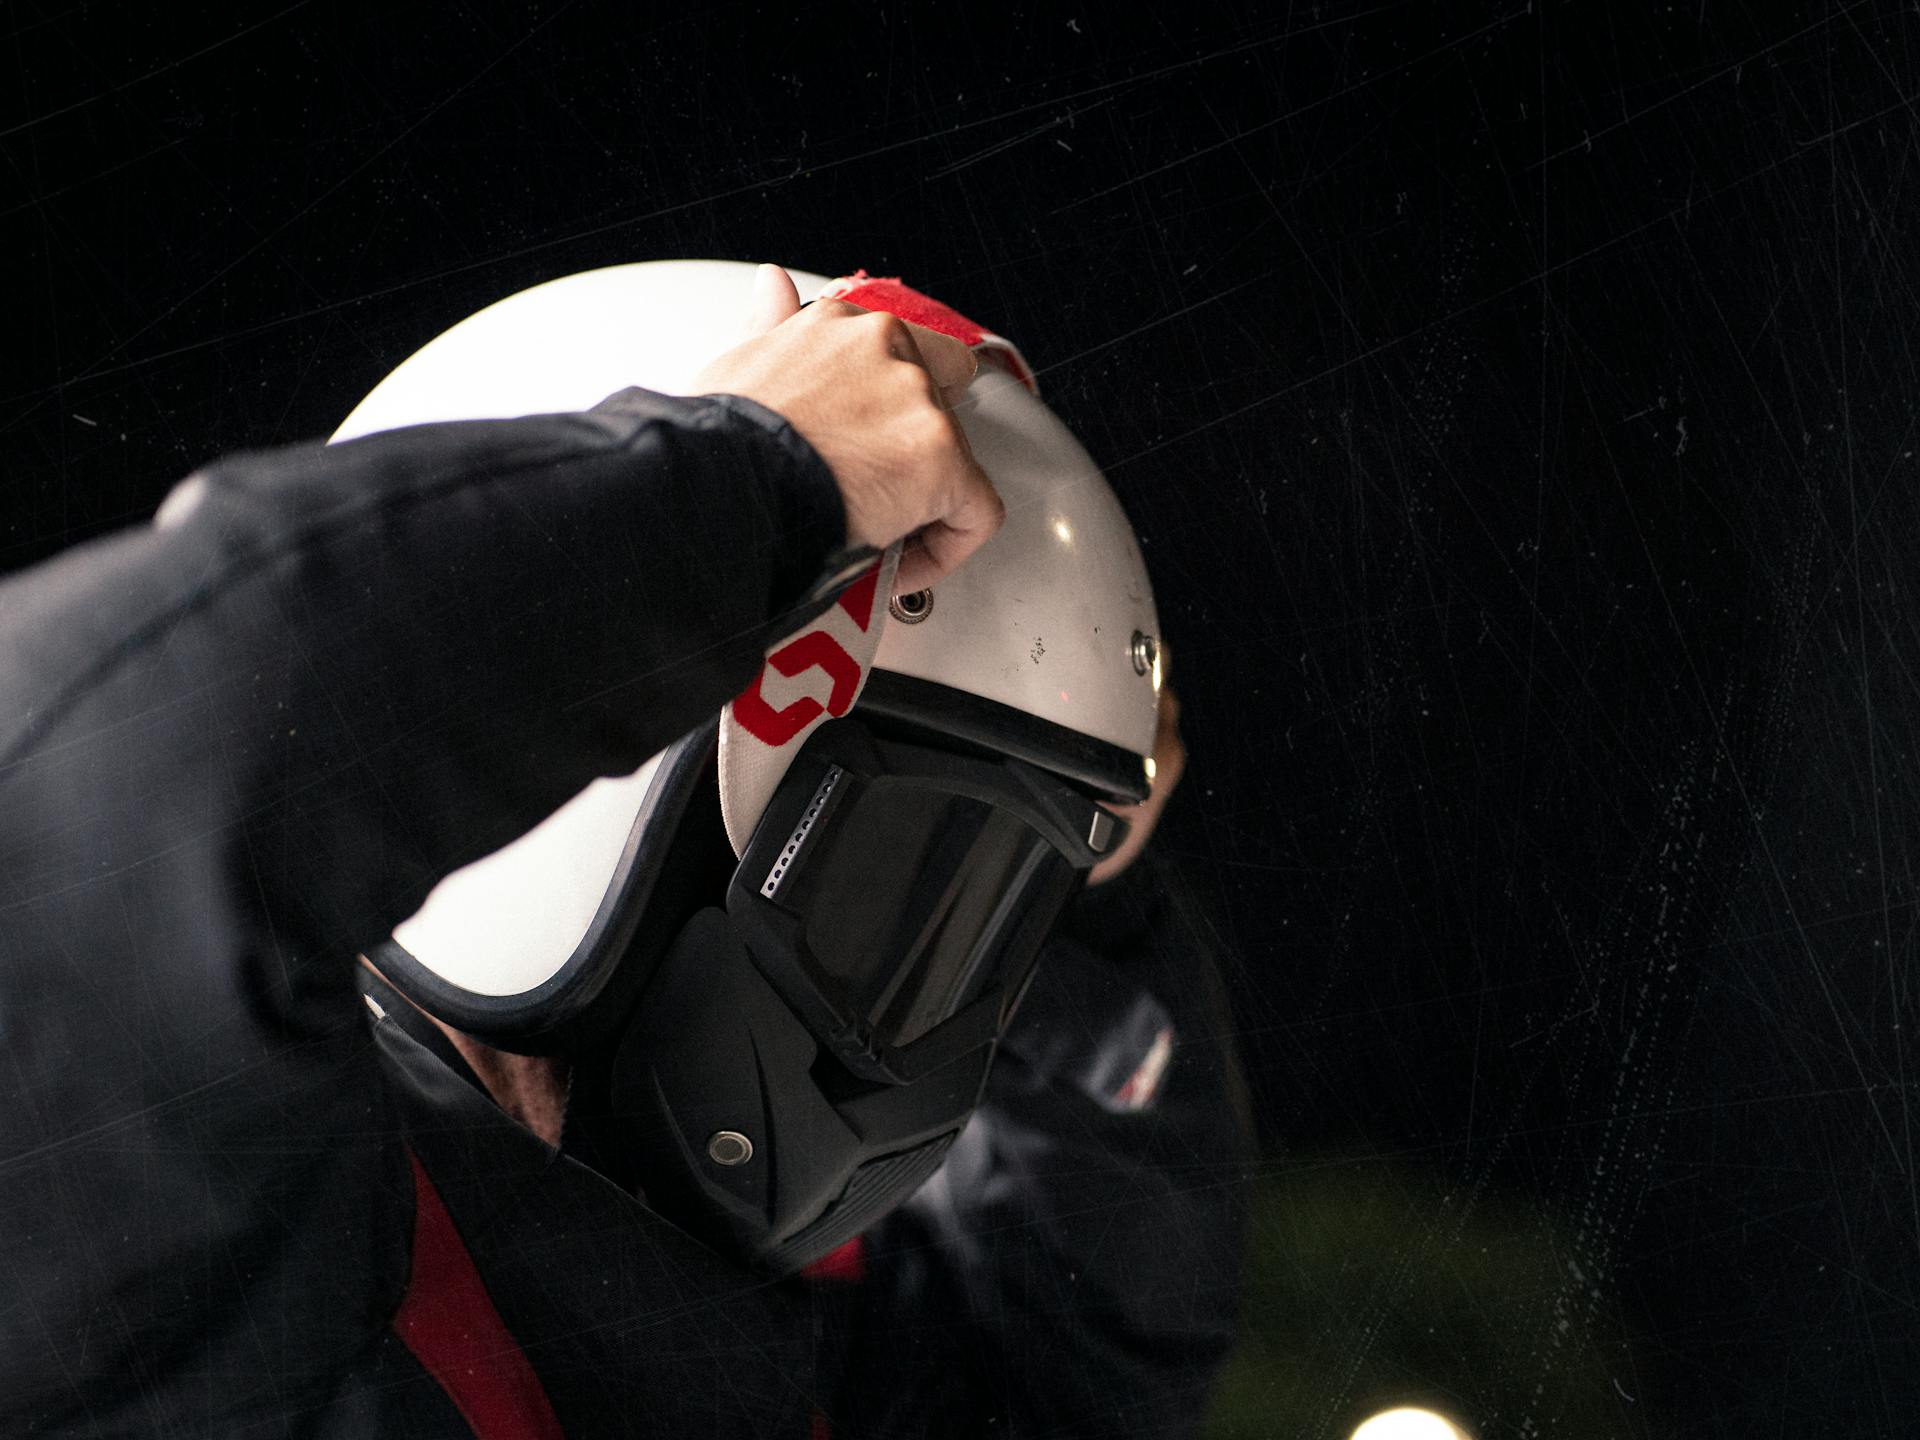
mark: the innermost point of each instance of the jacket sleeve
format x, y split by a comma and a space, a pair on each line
235, 748
1074, 1269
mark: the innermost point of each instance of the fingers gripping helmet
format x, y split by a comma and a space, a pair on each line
781, 953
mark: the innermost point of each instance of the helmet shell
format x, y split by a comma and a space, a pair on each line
1046, 616
1043, 625
569, 343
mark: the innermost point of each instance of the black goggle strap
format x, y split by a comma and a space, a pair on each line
1080, 829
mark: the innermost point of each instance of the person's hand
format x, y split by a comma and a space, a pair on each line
1169, 764
873, 394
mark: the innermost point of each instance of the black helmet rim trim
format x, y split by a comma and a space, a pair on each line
1111, 772
581, 999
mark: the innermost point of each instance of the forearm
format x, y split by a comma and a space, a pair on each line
370, 663
235, 750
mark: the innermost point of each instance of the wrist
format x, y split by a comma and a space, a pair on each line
816, 555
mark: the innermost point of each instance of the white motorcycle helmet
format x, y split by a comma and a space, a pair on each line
781, 953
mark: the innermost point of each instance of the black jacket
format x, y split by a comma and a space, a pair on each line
235, 750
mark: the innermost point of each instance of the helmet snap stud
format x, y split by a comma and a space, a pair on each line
1145, 651
729, 1147
912, 608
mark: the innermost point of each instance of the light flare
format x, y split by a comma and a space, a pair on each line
1409, 1422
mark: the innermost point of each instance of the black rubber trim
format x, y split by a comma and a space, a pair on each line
940, 711
545, 1019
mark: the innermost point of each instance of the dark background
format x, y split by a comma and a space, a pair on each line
1517, 403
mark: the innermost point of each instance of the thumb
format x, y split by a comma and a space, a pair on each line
774, 299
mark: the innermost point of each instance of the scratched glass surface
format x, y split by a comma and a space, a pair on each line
1516, 402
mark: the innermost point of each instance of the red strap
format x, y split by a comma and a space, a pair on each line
857, 598
878, 292
447, 1320
885, 292
846, 1265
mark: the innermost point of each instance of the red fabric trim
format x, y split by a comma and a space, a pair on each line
857, 598
847, 1264
447, 1320
887, 293
820, 1429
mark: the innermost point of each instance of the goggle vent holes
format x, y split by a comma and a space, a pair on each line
802, 828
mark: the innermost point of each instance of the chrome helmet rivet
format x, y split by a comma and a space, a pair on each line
911, 608
1145, 651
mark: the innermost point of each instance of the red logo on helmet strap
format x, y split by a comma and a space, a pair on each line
815, 648
857, 598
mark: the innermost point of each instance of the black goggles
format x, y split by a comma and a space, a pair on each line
896, 895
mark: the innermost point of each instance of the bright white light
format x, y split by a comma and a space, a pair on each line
1064, 531
1408, 1423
